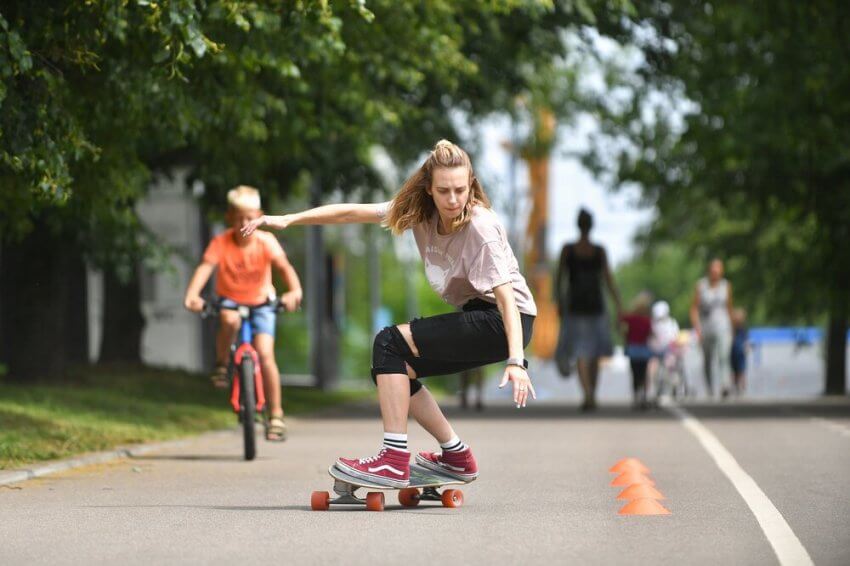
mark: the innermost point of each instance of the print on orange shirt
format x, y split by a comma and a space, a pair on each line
244, 272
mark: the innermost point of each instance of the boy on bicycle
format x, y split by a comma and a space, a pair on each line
245, 277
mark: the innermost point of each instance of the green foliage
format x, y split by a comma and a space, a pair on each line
736, 128
97, 95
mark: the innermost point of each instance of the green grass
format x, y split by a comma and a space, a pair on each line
101, 408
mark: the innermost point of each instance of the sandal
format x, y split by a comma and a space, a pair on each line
276, 429
219, 377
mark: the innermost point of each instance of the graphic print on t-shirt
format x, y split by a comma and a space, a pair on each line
438, 264
248, 269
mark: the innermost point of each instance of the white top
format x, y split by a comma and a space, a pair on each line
665, 331
713, 312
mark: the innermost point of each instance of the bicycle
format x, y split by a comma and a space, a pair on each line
247, 395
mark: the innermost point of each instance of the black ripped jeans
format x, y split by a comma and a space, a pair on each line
454, 342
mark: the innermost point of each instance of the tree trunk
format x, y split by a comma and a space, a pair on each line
836, 351
34, 292
77, 309
123, 321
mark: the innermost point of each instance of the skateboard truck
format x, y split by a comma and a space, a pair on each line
345, 491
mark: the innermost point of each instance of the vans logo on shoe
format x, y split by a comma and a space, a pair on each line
452, 468
388, 468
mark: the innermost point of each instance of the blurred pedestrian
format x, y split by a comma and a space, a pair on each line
740, 347
469, 379
638, 330
582, 269
711, 316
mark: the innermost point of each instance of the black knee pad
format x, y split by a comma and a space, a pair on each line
389, 352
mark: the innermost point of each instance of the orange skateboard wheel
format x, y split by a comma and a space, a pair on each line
409, 497
375, 501
320, 500
452, 498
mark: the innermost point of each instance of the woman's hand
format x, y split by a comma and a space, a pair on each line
698, 333
252, 226
276, 222
521, 382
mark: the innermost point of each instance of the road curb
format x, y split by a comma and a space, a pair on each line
8, 477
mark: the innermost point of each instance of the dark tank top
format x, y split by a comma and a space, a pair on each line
584, 294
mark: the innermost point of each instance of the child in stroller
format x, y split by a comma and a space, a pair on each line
668, 345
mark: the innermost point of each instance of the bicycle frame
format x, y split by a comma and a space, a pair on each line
243, 347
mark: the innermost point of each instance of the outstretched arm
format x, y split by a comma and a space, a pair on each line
344, 213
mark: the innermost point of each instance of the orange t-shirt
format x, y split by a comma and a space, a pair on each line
244, 272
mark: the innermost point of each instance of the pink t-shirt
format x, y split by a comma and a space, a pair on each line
469, 263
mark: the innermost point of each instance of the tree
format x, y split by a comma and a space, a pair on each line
737, 129
98, 96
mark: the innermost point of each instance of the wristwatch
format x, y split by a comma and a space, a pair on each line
519, 362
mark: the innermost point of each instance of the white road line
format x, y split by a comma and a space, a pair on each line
788, 548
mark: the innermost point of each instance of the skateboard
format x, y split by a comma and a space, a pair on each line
424, 486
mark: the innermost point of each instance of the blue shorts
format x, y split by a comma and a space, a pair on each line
262, 318
639, 352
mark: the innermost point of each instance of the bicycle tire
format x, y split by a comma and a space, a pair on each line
248, 406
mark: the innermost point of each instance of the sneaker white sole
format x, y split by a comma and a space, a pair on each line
425, 463
371, 478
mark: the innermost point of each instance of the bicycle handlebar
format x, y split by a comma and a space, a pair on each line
212, 307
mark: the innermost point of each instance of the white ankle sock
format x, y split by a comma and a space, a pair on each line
453, 445
395, 440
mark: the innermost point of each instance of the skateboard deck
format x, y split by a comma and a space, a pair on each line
420, 476
424, 484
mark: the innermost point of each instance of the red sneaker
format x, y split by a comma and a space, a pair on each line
460, 464
391, 467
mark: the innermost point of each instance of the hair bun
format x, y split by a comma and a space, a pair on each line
443, 143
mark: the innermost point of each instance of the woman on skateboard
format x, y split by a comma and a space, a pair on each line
469, 262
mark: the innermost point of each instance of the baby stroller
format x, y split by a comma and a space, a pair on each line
670, 377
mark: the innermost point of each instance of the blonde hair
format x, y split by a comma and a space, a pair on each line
244, 197
641, 302
739, 316
413, 205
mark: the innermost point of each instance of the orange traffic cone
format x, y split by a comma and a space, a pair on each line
640, 491
627, 464
631, 478
644, 506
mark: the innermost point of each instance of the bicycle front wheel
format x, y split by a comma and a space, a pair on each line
248, 406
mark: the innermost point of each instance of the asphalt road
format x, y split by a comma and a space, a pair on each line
543, 495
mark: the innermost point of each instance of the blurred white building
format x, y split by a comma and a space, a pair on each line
173, 336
